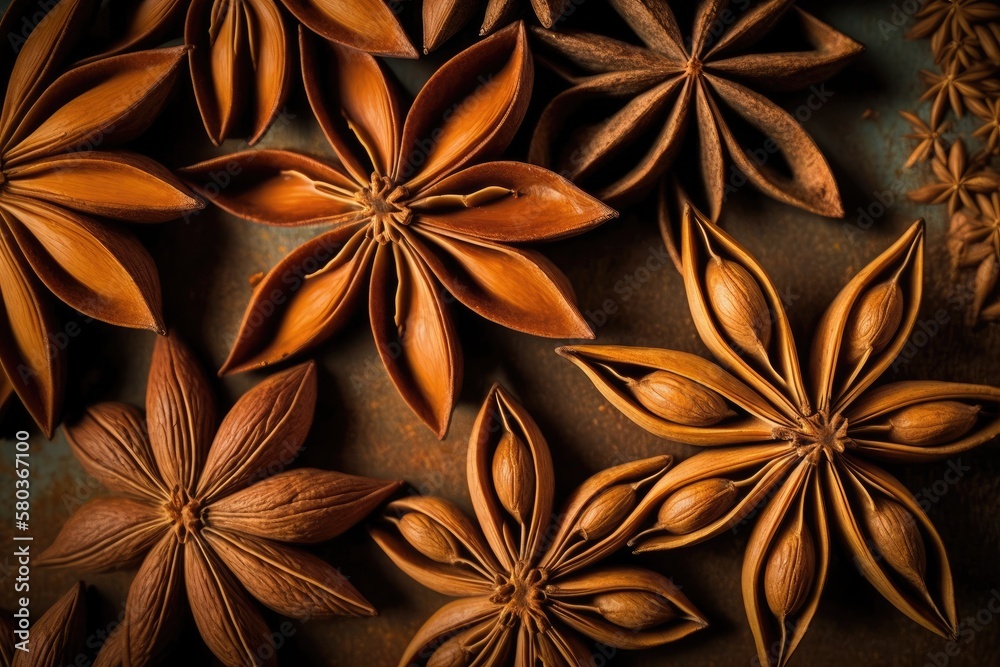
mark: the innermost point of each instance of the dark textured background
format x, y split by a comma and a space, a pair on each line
363, 427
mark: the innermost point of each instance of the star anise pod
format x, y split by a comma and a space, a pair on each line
660, 90
952, 18
409, 205
974, 243
963, 51
200, 513
243, 56
956, 85
928, 137
528, 579
959, 179
801, 435
989, 111
55, 638
59, 175
443, 18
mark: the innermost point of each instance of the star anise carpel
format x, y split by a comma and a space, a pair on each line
802, 434
702, 88
63, 180
530, 584
411, 213
244, 51
443, 18
204, 515
54, 638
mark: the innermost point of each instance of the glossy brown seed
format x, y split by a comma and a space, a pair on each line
635, 610
428, 538
896, 536
696, 505
790, 570
933, 423
678, 399
874, 321
514, 476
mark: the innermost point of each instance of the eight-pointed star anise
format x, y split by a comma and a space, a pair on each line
408, 205
201, 513
529, 579
660, 90
55, 638
242, 61
803, 442
58, 175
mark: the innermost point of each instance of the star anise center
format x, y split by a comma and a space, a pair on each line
522, 595
185, 513
383, 203
817, 436
694, 67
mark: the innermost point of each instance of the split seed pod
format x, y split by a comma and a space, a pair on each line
738, 303
514, 476
635, 610
428, 538
696, 505
933, 423
680, 400
897, 538
791, 567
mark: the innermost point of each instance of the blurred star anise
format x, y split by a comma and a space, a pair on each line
661, 90
974, 244
408, 205
242, 60
529, 581
204, 513
802, 442
55, 185
54, 639
443, 18
958, 178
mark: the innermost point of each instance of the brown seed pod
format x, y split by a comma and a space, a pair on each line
427, 537
606, 512
738, 303
514, 476
635, 610
874, 321
896, 536
790, 570
933, 423
680, 400
696, 505
450, 654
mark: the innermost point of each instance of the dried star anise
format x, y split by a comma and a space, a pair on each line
928, 136
959, 179
443, 18
803, 441
660, 90
54, 639
55, 185
201, 514
952, 18
974, 244
242, 61
528, 579
409, 205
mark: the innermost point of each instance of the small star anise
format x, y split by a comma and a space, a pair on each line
408, 205
242, 61
55, 638
201, 514
952, 18
660, 91
443, 18
959, 179
928, 137
527, 578
989, 111
799, 435
60, 176
957, 85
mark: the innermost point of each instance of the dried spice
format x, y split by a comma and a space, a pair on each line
528, 580
673, 85
958, 179
56, 189
56, 637
974, 244
201, 512
803, 439
929, 137
412, 206
952, 18
443, 18
243, 57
